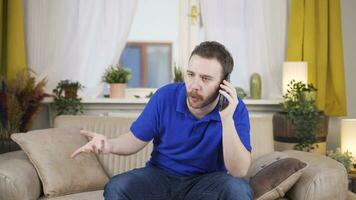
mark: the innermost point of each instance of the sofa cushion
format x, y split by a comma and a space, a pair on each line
49, 151
111, 127
93, 195
324, 178
273, 174
18, 177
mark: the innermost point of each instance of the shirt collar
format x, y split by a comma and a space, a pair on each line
183, 108
181, 101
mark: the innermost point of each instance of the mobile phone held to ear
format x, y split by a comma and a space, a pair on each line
223, 102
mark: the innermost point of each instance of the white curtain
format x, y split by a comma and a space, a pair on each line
76, 39
254, 31
188, 32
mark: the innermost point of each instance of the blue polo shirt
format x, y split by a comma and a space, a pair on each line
183, 144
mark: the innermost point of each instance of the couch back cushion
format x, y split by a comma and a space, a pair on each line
261, 134
111, 127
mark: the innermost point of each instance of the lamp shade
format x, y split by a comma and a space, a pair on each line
348, 136
294, 70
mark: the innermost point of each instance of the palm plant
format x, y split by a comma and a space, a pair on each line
20, 101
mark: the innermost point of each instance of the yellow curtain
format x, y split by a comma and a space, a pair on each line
314, 36
12, 39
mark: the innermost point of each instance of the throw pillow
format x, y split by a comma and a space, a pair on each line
273, 174
49, 151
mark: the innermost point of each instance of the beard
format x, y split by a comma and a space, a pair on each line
197, 101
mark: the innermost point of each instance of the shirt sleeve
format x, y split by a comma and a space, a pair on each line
146, 126
242, 124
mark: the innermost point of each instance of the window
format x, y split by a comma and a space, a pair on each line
150, 63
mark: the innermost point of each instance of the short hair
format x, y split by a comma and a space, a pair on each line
213, 49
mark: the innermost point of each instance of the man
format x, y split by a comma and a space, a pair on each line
199, 151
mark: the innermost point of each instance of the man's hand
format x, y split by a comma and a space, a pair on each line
98, 144
228, 90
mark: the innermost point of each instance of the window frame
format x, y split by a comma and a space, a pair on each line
143, 45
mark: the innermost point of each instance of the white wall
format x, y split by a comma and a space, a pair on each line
348, 8
348, 16
156, 21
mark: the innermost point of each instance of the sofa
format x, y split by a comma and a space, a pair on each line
324, 178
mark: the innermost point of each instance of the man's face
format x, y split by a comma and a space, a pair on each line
202, 79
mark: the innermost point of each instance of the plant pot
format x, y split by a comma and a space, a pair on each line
117, 90
7, 145
285, 137
70, 93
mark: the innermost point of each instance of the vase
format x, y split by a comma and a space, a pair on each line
117, 90
255, 86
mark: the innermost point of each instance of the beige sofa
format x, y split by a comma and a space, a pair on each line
323, 179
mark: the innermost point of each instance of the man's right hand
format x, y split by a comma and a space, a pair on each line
98, 144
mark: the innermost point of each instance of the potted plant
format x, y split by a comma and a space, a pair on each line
300, 121
20, 102
70, 88
66, 100
345, 158
240, 92
178, 75
117, 76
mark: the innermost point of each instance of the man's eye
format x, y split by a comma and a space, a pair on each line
205, 79
190, 75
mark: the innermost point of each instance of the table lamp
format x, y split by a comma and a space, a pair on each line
294, 70
348, 137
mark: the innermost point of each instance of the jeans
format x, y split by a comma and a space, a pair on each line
151, 183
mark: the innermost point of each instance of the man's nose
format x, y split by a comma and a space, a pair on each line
196, 84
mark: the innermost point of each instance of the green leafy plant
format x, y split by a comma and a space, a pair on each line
69, 102
344, 158
117, 74
240, 92
299, 104
178, 74
70, 88
149, 95
20, 101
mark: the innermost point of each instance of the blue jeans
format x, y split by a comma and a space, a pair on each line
152, 183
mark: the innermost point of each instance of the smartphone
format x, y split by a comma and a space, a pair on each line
223, 102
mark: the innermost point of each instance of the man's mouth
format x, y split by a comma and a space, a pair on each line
194, 99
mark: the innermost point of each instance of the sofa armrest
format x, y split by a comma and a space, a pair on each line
324, 178
18, 177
